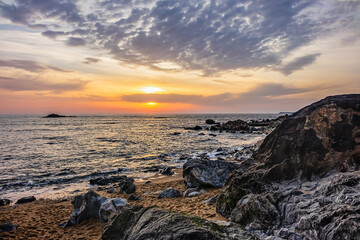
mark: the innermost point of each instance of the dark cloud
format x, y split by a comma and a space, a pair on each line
30, 66
298, 63
90, 60
262, 93
33, 84
75, 42
33, 12
210, 36
53, 34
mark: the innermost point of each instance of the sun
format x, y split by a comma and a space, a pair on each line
151, 103
151, 89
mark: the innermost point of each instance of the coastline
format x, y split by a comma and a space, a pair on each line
40, 219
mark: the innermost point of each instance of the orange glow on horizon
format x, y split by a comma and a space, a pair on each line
151, 104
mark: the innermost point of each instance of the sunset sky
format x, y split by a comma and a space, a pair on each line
167, 56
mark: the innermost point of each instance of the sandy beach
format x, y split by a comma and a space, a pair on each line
40, 219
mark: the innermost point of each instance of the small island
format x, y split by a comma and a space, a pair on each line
54, 115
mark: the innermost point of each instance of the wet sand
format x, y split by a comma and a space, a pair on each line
40, 219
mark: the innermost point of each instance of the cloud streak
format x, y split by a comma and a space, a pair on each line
33, 84
31, 66
298, 63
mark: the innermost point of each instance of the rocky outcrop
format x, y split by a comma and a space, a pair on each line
210, 121
166, 171
304, 180
205, 173
155, 223
26, 200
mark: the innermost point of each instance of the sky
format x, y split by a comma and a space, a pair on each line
167, 56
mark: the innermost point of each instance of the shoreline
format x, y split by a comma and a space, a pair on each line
40, 219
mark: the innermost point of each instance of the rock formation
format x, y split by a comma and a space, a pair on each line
304, 182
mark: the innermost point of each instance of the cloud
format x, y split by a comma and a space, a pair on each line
53, 34
207, 36
32, 13
33, 84
298, 63
75, 42
30, 66
90, 60
262, 93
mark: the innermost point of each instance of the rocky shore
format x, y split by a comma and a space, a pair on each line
302, 182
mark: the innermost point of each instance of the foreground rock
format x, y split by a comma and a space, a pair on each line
8, 227
155, 223
102, 181
205, 173
305, 180
26, 200
127, 186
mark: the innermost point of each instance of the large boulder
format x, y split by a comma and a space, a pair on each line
169, 193
155, 223
304, 183
205, 173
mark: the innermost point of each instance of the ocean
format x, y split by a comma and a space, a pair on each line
55, 157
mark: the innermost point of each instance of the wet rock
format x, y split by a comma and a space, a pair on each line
211, 200
127, 186
210, 121
107, 180
147, 182
8, 227
110, 190
203, 173
26, 200
4, 202
156, 223
86, 206
132, 197
110, 207
166, 171
196, 128
175, 133
170, 193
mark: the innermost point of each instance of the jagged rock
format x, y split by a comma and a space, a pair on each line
8, 227
132, 197
211, 200
166, 171
110, 207
170, 193
210, 121
86, 206
155, 223
26, 200
205, 173
305, 180
4, 202
127, 186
